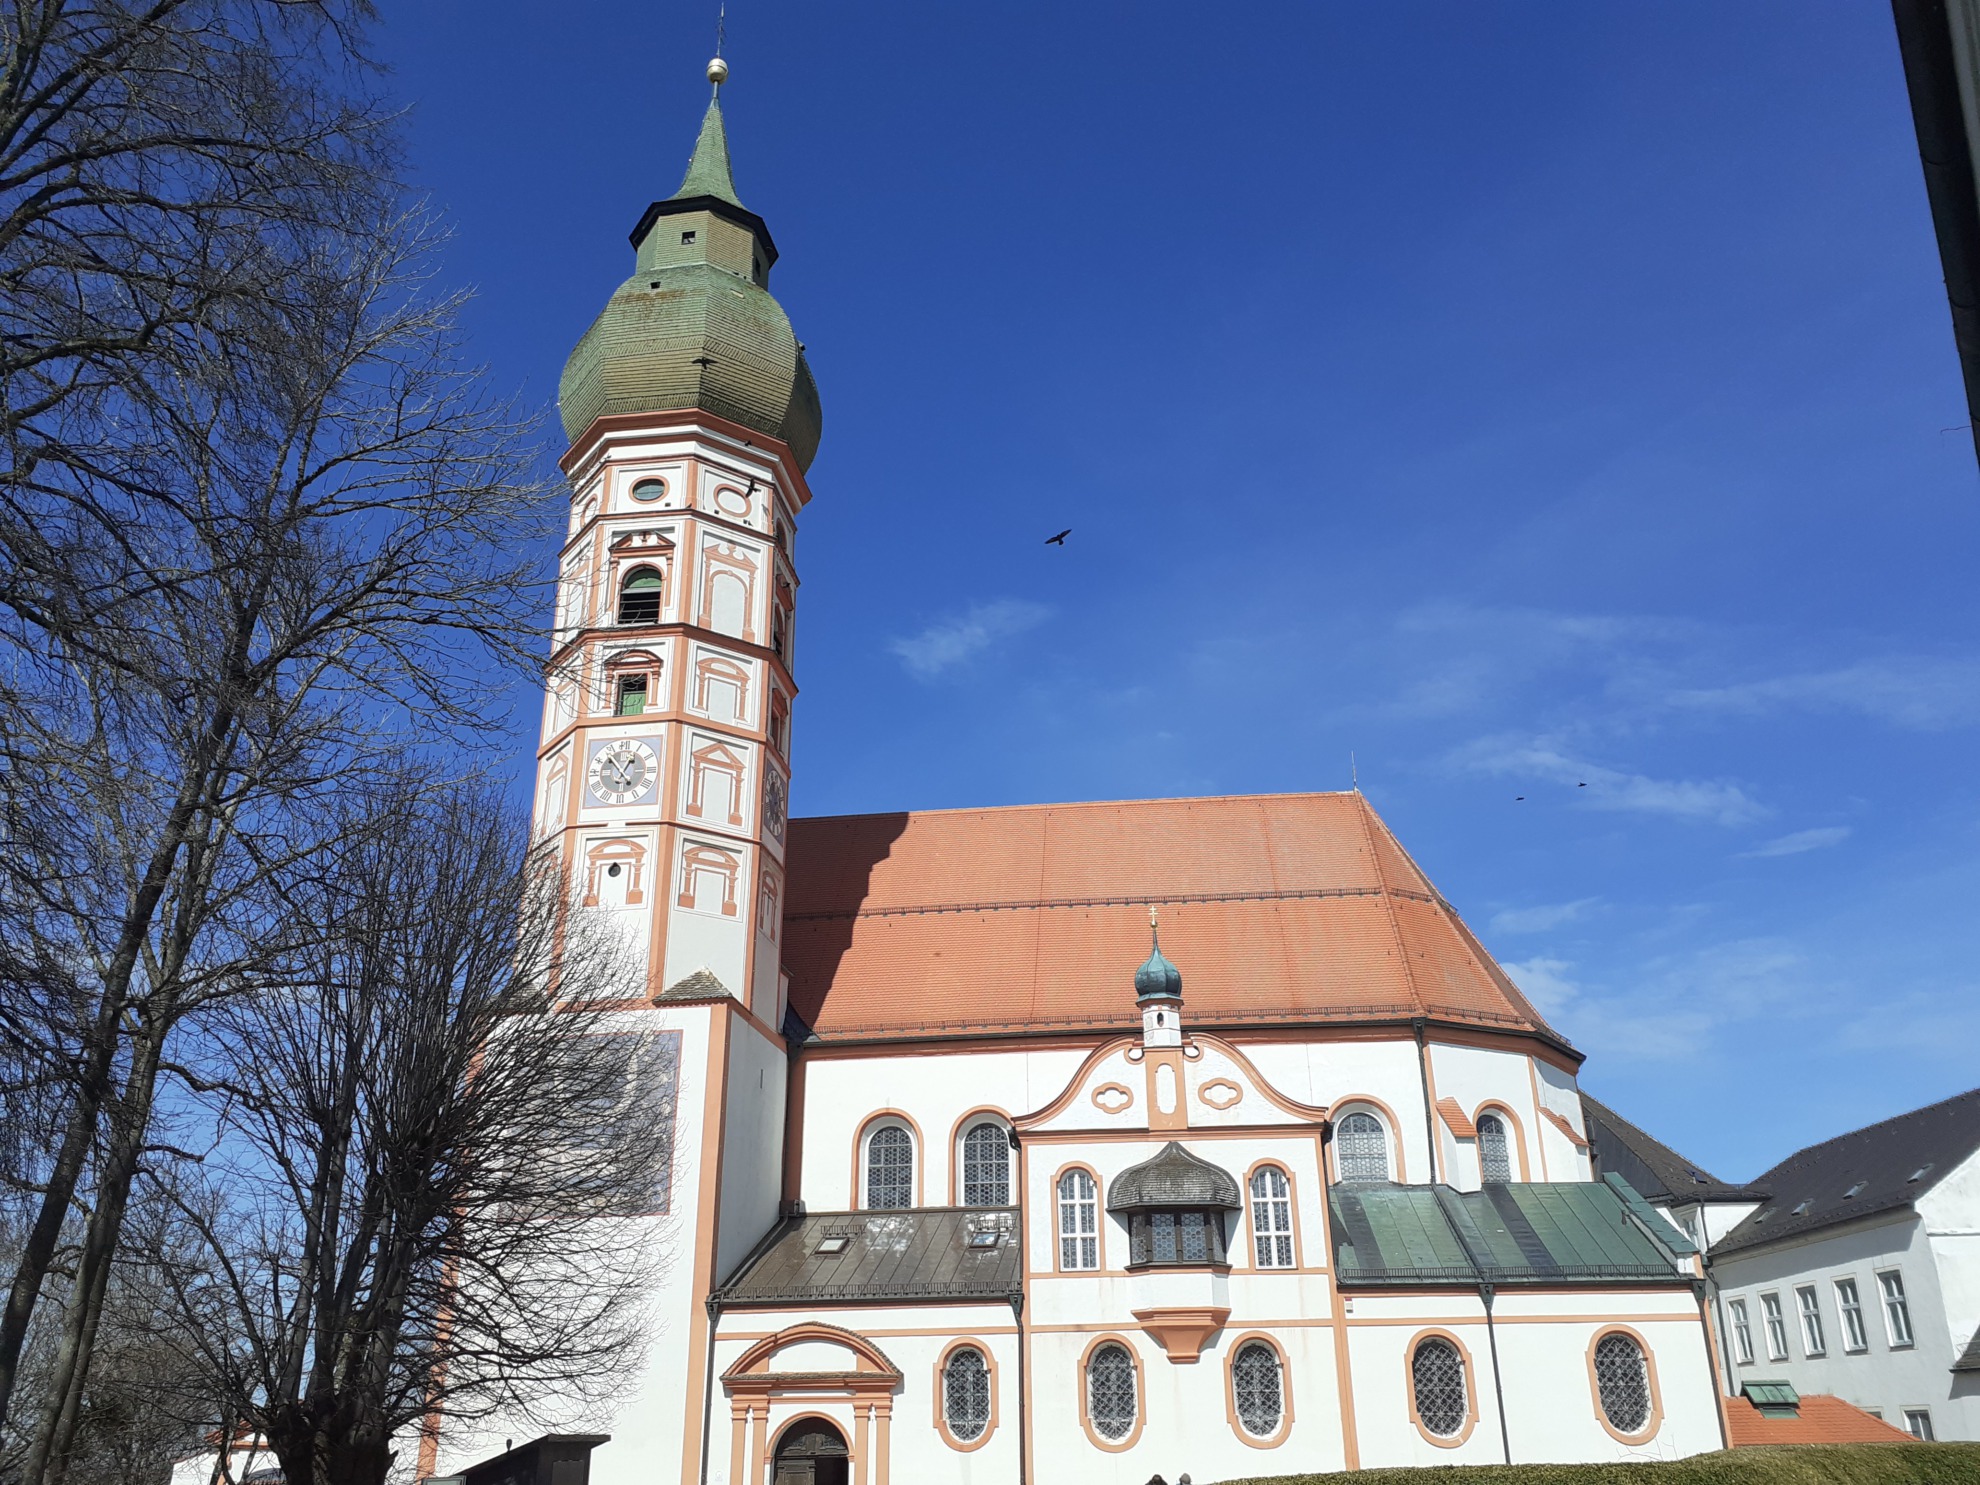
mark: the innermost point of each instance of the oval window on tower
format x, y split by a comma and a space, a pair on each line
649, 489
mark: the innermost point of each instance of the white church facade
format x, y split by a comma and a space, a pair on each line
972, 1180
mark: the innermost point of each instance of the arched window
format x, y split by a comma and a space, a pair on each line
1079, 1221
1494, 1157
1362, 1148
639, 597
1258, 1388
1436, 1371
649, 489
986, 1166
1271, 1218
1622, 1378
1110, 1400
889, 1169
966, 1394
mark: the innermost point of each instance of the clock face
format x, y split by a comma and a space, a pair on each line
773, 806
622, 772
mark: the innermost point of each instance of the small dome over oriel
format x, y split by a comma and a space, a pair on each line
1173, 1178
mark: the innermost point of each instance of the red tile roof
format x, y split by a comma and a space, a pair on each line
1822, 1420
1279, 909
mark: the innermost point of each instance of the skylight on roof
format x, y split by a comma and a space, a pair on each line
987, 1239
833, 1244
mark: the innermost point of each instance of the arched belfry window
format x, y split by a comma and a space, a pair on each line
1361, 1146
1176, 1205
639, 596
889, 1169
1494, 1153
986, 1165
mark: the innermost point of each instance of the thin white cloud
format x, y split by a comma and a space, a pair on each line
1919, 692
948, 643
1545, 982
1679, 1007
1540, 919
1597, 786
1817, 839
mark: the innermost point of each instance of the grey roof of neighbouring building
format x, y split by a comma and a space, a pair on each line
1653, 1168
1969, 1359
918, 1255
1539, 1232
1883, 1167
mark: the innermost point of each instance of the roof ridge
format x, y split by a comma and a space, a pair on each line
1871, 1128
1364, 813
1077, 804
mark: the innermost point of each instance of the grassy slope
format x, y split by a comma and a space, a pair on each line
1834, 1464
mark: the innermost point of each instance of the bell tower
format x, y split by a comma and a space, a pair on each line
663, 766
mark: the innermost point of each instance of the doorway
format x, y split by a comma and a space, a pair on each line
812, 1453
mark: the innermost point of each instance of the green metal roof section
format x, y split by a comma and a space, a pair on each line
1773, 1399
1666, 1231
695, 327
708, 171
1540, 1232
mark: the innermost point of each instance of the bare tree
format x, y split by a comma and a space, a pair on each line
429, 1169
246, 541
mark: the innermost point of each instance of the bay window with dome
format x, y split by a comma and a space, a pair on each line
1177, 1208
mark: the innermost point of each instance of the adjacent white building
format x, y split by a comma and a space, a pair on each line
1852, 1268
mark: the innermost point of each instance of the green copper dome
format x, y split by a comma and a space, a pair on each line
695, 326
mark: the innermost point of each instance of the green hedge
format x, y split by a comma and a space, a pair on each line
1819, 1464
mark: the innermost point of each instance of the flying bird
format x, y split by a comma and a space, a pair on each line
1581, 786
1519, 799
1060, 539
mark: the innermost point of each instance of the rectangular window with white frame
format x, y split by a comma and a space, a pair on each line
1897, 1310
1856, 1336
1742, 1329
1770, 1309
1813, 1342
1918, 1423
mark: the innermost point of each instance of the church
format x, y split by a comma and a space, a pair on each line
1064, 1143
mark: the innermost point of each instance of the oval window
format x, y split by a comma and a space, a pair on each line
966, 1394
649, 489
1110, 1400
1436, 1372
1622, 1378
1256, 1383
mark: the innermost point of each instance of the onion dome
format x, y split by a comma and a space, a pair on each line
1173, 1178
1157, 979
695, 326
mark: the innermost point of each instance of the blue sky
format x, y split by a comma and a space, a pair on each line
1516, 397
